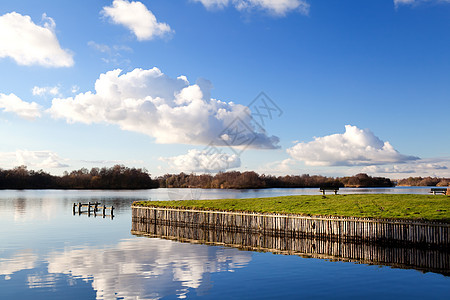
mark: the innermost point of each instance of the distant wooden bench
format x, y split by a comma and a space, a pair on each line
334, 189
435, 191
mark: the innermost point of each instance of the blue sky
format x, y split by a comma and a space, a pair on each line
353, 86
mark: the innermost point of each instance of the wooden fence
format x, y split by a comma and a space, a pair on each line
428, 234
424, 259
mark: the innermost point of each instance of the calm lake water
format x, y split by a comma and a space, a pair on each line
46, 252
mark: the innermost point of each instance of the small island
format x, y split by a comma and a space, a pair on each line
419, 220
379, 206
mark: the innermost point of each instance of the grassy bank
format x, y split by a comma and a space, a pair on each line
427, 207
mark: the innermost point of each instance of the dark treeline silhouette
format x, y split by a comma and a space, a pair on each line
238, 180
121, 177
117, 177
424, 181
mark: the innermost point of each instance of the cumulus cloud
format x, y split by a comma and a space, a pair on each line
355, 147
31, 44
37, 159
203, 161
26, 110
137, 18
170, 110
276, 7
47, 90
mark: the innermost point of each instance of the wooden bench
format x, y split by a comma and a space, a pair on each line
334, 189
435, 191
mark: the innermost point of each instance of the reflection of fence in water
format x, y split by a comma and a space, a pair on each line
435, 260
348, 228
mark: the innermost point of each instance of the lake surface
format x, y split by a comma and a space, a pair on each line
46, 252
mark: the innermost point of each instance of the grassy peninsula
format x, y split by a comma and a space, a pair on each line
389, 206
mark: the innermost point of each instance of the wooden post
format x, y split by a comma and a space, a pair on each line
89, 208
79, 208
74, 205
112, 212
104, 210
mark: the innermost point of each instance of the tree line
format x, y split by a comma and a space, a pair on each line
424, 181
117, 177
121, 177
252, 180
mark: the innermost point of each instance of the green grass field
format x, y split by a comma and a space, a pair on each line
426, 207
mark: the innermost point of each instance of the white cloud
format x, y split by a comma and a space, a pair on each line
214, 4
398, 3
170, 110
352, 148
112, 55
275, 7
99, 47
36, 159
75, 88
203, 161
26, 110
47, 90
404, 2
422, 167
31, 44
137, 18
280, 167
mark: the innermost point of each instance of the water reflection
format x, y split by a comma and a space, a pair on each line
46, 252
146, 268
435, 260
22, 260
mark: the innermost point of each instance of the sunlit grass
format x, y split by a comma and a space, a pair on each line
427, 207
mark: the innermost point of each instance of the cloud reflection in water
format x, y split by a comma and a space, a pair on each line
147, 268
23, 260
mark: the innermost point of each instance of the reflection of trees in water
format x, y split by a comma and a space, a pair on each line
410, 257
146, 268
20, 206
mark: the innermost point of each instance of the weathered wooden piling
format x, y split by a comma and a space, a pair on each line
94, 207
349, 229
